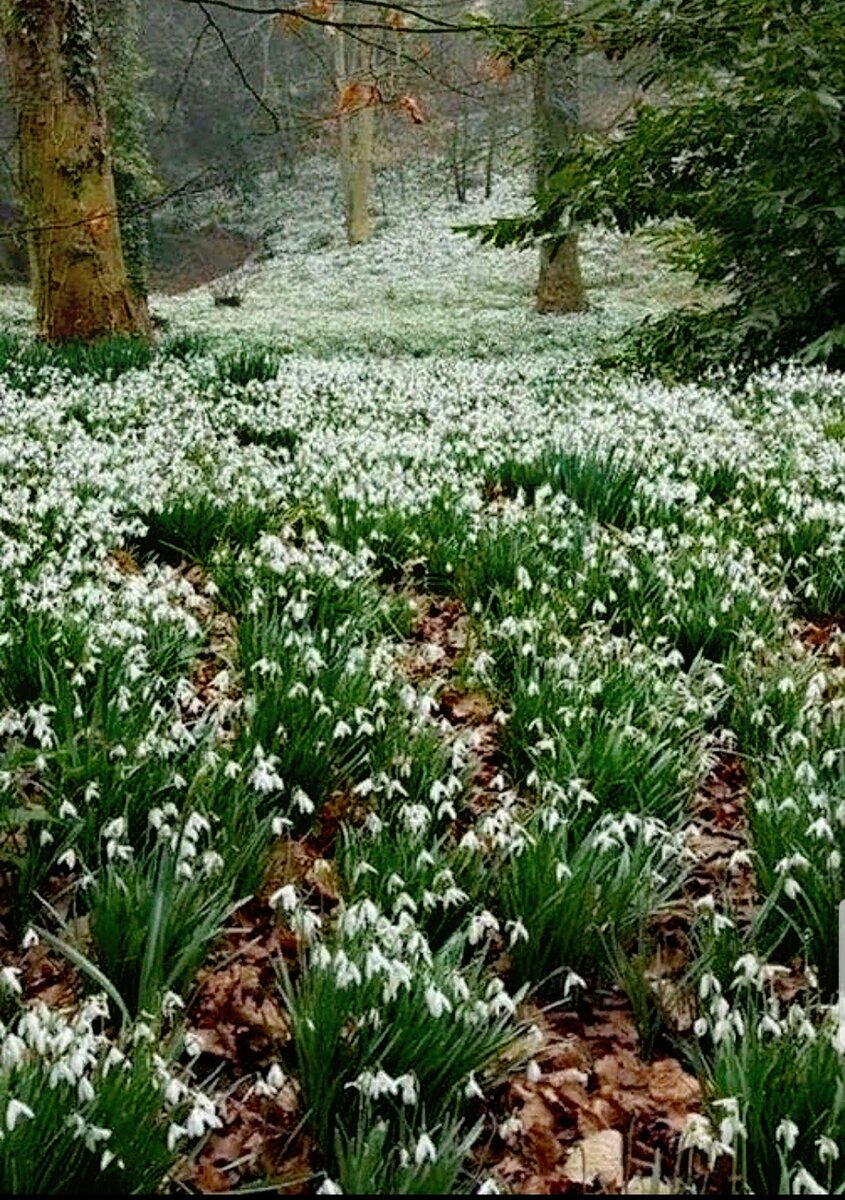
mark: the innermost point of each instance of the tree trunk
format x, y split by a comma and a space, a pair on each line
79, 275
357, 132
560, 287
118, 26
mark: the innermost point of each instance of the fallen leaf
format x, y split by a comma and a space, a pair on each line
597, 1159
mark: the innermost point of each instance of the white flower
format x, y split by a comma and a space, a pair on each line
792, 888
17, 1111
828, 1149
517, 932
425, 1150
804, 1183
572, 980
10, 980
286, 897
481, 926
787, 1132
489, 1187
436, 1002
329, 1188
276, 1077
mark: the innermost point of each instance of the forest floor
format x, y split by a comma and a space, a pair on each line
421, 747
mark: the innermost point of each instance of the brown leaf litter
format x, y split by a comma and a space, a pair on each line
260, 1138
594, 1115
600, 1116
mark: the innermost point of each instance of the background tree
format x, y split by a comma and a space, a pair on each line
358, 96
79, 279
560, 286
740, 152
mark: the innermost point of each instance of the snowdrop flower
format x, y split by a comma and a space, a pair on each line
787, 1133
489, 1187
264, 778
731, 1126
828, 1149
436, 1002
803, 1183
481, 926
10, 980
17, 1111
572, 980
286, 897
425, 1151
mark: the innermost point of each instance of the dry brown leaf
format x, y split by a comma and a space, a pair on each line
358, 95
323, 878
539, 1128
411, 106
597, 1159
673, 1090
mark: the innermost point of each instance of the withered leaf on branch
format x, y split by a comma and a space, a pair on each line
411, 106
358, 95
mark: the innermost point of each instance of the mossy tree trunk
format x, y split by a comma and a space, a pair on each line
118, 25
560, 286
79, 276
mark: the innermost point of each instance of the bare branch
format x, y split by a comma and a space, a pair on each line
433, 24
260, 101
183, 82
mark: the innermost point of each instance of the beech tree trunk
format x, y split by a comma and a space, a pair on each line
79, 276
560, 286
354, 70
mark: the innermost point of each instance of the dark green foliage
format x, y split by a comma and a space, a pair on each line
193, 527
183, 346
743, 155
247, 364
48, 1157
151, 927
582, 903
22, 361
274, 439
686, 344
602, 485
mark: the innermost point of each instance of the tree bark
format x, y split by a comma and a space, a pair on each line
79, 277
354, 66
118, 26
560, 286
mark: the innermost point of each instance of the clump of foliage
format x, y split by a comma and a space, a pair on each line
23, 361
742, 154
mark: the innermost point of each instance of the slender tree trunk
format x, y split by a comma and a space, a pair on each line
79, 275
560, 286
353, 67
